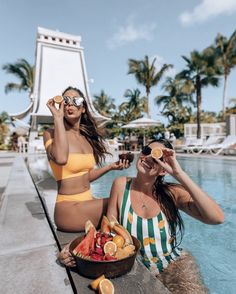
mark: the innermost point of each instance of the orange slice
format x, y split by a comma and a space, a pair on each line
106, 287
119, 241
110, 247
58, 99
94, 284
156, 153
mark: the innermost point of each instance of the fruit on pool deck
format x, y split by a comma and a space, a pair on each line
58, 99
156, 153
119, 241
94, 284
110, 247
106, 287
127, 156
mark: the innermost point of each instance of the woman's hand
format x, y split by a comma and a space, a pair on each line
119, 165
57, 113
169, 162
66, 258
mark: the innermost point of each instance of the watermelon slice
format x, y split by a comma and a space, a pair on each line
86, 245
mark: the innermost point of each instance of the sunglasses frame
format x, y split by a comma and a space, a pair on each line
68, 99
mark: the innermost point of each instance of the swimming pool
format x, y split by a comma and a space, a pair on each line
213, 246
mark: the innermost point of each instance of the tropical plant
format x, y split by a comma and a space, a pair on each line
134, 107
200, 72
104, 104
147, 74
179, 93
226, 54
4, 121
24, 72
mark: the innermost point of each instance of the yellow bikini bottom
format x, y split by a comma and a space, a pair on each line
84, 196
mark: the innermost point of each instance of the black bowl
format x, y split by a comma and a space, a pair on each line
111, 269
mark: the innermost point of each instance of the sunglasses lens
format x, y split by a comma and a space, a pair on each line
78, 101
146, 150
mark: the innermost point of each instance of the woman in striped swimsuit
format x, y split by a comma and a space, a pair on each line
149, 208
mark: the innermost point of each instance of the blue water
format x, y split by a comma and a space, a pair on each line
214, 247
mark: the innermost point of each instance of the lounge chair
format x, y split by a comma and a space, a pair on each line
191, 143
216, 149
200, 148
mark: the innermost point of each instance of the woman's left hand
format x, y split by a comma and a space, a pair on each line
169, 162
119, 165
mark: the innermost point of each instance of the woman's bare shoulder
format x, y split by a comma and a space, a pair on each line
120, 181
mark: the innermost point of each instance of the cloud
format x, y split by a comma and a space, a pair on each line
208, 9
131, 32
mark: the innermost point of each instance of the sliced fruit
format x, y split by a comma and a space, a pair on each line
119, 240
58, 99
106, 287
110, 247
88, 225
94, 284
130, 249
156, 153
120, 230
105, 225
86, 245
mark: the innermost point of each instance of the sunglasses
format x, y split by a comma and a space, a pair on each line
76, 101
147, 151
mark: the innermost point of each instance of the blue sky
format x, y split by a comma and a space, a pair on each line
112, 32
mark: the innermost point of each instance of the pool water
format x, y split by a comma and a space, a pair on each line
214, 247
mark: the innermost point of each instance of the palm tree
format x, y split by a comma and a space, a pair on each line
226, 52
24, 72
200, 72
104, 104
146, 74
133, 108
178, 91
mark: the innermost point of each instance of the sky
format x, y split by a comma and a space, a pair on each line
113, 32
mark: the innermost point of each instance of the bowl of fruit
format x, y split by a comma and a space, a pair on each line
110, 251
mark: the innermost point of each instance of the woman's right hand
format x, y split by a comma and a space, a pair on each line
66, 258
57, 113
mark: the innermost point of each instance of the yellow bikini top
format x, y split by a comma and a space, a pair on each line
77, 165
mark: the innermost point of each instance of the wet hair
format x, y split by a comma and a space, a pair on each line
90, 130
167, 202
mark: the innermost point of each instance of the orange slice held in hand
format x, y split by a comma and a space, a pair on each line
58, 99
106, 287
156, 153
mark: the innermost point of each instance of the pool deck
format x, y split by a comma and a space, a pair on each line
30, 242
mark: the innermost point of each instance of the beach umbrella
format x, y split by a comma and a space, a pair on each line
142, 123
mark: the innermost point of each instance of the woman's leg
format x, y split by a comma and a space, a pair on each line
182, 276
72, 216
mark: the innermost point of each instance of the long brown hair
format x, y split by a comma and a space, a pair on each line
89, 129
166, 200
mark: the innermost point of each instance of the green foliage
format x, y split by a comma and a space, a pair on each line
104, 104
24, 72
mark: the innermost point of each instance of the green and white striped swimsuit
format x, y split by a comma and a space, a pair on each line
157, 246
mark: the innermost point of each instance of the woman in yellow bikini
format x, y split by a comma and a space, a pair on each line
74, 146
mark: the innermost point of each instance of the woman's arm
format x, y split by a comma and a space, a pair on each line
198, 203
113, 204
58, 151
97, 173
